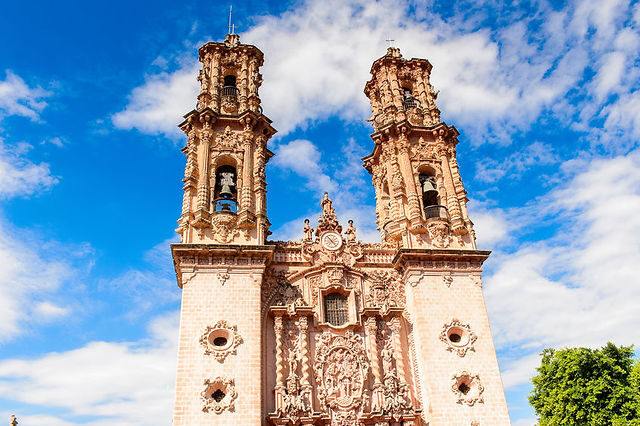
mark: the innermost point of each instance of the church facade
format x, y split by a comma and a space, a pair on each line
329, 330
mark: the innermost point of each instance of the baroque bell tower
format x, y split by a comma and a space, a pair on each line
224, 181
420, 199
221, 258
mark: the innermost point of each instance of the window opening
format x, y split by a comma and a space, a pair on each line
336, 309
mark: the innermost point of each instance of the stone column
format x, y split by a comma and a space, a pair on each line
203, 177
280, 363
395, 326
247, 171
408, 175
457, 224
371, 328
305, 383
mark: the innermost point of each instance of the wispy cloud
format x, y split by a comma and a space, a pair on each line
128, 383
574, 287
17, 98
19, 176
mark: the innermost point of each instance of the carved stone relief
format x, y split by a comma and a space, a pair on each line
220, 340
458, 337
341, 367
467, 388
218, 395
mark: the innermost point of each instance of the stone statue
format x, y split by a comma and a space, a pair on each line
351, 233
387, 357
327, 205
14, 421
308, 231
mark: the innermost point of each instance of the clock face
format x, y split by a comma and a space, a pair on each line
332, 241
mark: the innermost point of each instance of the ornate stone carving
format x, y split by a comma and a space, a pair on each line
220, 340
439, 234
278, 291
223, 277
467, 388
385, 290
447, 278
458, 337
341, 369
218, 395
223, 226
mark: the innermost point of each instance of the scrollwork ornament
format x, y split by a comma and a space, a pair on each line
219, 395
463, 340
221, 330
467, 388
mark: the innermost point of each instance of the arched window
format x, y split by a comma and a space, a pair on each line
226, 188
336, 309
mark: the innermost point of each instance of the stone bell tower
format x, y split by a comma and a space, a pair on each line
224, 181
221, 258
420, 199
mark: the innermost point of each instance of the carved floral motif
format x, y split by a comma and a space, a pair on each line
222, 329
219, 395
467, 388
458, 337
385, 290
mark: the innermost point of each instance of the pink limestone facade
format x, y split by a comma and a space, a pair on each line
329, 330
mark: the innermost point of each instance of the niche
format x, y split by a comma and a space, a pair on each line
225, 192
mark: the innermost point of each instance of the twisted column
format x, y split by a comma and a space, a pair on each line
395, 327
305, 383
280, 362
371, 328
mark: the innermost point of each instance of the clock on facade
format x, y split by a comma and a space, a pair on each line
331, 240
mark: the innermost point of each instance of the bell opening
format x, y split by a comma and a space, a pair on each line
226, 189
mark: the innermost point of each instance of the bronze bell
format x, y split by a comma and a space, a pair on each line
429, 188
225, 192
226, 182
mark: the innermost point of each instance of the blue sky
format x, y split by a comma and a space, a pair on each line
545, 95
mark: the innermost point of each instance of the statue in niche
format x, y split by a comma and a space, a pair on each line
308, 231
351, 233
387, 356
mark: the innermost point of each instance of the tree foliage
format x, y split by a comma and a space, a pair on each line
581, 386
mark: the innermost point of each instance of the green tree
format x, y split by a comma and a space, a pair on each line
581, 386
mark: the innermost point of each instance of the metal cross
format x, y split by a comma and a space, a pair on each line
390, 40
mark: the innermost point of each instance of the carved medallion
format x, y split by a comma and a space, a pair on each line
219, 395
341, 369
220, 340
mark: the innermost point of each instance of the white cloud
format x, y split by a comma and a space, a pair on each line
32, 272
129, 383
575, 287
49, 310
158, 105
499, 82
17, 98
19, 176
153, 285
303, 158
536, 154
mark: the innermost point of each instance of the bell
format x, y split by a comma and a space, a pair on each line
429, 188
225, 192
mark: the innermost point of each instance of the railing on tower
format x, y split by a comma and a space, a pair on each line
229, 91
228, 205
438, 212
